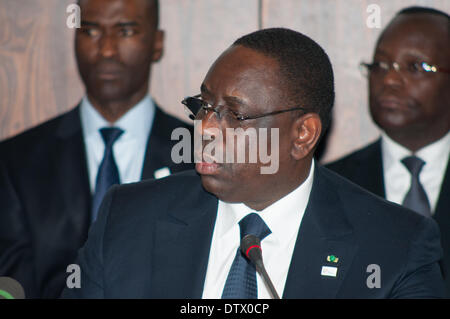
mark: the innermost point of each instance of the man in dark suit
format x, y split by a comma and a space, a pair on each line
409, 84
321, 236
54, 176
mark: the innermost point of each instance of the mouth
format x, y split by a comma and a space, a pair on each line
204, 168
392, 103
108, 76
207, 165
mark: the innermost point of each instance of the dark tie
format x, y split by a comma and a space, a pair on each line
241, 280
107, 174
416, 198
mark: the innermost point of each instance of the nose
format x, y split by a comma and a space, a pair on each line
393, 77
108, 46
210, 123
211, 126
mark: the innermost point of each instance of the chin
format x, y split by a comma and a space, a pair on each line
392, 120
222, 190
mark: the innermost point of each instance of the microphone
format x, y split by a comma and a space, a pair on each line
11, 289
251, 248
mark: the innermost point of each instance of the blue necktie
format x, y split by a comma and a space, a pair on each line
107, 174
416, 198
241, 280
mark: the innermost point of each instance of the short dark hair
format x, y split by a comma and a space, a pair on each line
305, 68
154, 4
425, 10
156, 13
417, 9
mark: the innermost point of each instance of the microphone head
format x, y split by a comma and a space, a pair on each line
251, 248
11, 289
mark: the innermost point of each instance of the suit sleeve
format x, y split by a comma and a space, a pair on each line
16, 257
422, 277
90, 257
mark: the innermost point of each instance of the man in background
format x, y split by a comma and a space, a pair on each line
409, 99
53, 177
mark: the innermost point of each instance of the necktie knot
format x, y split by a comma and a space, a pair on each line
414, 164
253, 224
110, 135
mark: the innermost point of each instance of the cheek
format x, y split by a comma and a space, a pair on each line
135, 54
85, 51
432, 96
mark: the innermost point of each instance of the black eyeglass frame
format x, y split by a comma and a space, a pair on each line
186, 101
432, 68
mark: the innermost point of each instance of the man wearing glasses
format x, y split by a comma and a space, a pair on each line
409, 98
55, 175
320, 236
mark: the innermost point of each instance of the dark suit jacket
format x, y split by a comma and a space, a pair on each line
152, 240
365, 168
45, 198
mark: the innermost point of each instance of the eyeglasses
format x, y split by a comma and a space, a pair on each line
413, 69
197, 109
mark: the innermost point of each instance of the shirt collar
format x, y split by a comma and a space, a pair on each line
393, 152
136, 123
282, 217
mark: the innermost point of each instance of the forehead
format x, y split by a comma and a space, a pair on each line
244, 73
110, 11
422, 35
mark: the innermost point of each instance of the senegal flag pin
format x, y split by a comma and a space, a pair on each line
332, 259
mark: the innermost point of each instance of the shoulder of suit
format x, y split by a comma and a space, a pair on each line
37, 134
365, 153
169, 121
173, 186
366, 209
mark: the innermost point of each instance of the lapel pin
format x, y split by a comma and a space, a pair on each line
162, 172
329, 271
332, 258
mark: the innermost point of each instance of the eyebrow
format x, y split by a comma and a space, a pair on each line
88, 23
127, 24
119, 24
413, 53
232, 100
204, 89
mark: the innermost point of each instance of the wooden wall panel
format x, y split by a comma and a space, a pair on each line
39, 79
197, 32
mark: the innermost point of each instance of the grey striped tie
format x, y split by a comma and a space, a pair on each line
416, 198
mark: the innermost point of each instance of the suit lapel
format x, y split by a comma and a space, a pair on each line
443, 204
72, 171
442, 217
324, 232
181, 251
158, 149
159, 145
372, 176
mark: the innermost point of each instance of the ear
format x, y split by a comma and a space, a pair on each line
306, 132
158, 46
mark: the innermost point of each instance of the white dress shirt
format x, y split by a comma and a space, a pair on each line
129, 149
282, 217
397, 178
